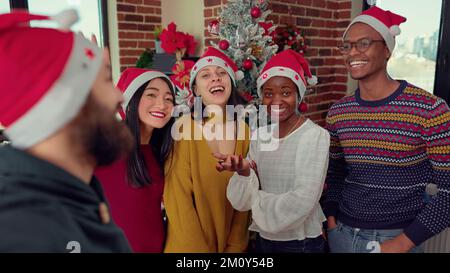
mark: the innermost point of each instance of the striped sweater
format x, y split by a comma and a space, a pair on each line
382, 155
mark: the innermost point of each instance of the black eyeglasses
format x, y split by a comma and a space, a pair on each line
362, 45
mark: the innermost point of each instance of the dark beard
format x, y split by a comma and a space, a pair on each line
104, 137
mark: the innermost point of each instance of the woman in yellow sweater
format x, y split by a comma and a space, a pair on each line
200, 218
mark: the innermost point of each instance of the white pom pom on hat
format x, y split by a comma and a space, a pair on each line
66, 18
312, 80
395, 30
239, 75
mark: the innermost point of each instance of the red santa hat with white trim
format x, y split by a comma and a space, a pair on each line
133, 78
214, 56
46, 76
289, 64
384, 22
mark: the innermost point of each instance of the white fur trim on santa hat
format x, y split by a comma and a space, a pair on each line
283, 72
395, 30
212, 60
312, 80
138, 82
63, 101
66, 19
378, 26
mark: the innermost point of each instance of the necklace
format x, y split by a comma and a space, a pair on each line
290, 130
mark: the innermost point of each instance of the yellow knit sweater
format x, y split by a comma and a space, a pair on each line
200, 218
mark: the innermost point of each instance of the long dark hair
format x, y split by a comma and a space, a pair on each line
161, 141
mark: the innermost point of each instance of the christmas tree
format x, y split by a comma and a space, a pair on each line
245, 37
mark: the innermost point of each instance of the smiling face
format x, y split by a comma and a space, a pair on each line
156, 104
282, 92
362, 65
213, 84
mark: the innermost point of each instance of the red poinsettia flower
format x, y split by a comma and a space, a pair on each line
171, 39
172, 27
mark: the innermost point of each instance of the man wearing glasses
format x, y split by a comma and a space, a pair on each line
389, 142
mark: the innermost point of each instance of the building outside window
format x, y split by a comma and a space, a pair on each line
416, 52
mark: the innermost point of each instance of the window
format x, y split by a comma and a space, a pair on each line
415, 55
4, 7
89, 12
421, 54
93, 16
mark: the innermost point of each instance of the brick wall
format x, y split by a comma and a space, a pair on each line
137, 20
323, 23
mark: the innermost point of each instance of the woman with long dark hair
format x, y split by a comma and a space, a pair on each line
200, 218
134, 187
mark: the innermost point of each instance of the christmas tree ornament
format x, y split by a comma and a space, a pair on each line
247, 64
224, 44
256, 12
213, 27
257, 51
247, 96
302, 107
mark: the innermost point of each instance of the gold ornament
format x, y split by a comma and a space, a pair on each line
257, 51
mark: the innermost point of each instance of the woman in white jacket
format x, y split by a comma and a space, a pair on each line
282, 178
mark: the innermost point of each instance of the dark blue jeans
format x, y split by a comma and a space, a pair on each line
308, 245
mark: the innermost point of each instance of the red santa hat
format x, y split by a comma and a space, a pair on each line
47, 75
289, 64
384, 22
214, 56
133, 78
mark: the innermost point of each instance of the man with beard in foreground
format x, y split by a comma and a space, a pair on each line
57, 105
